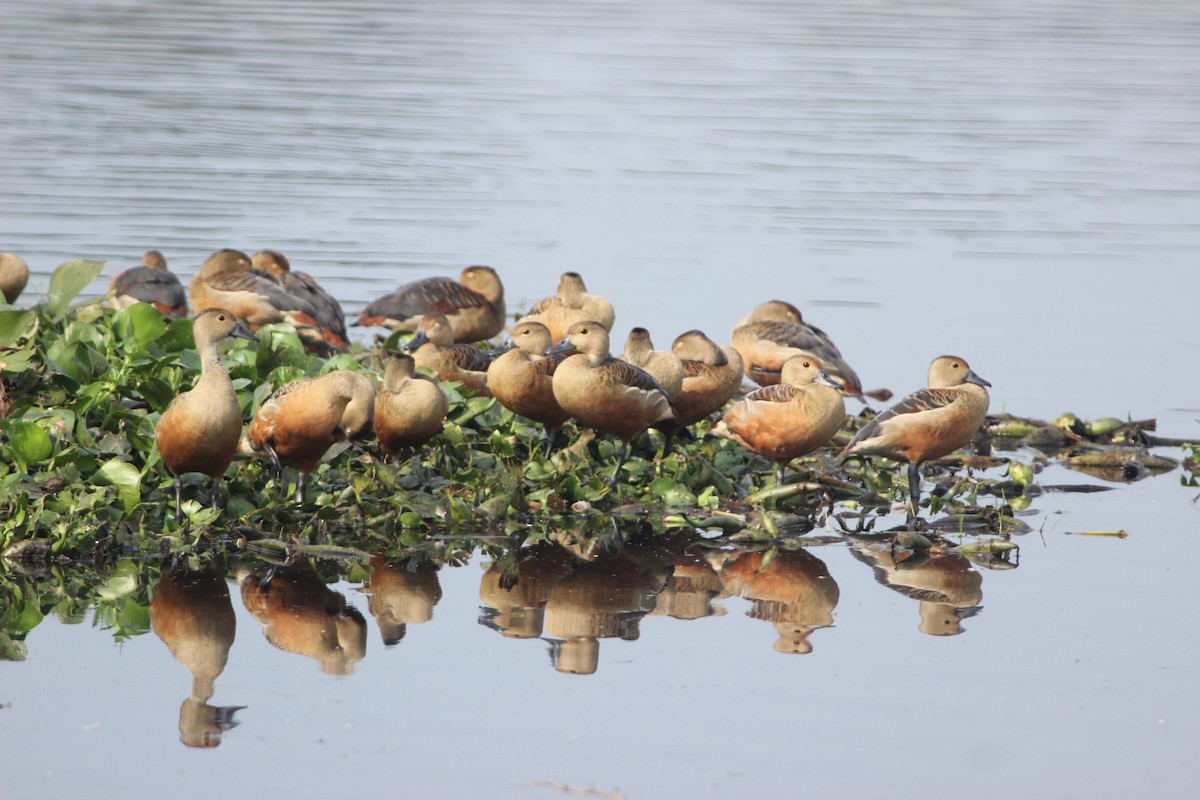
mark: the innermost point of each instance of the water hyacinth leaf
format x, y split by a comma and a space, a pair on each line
140, 324
125, 477
68, 281
177, 337
16, 325
81, 363
121, 583
29, 443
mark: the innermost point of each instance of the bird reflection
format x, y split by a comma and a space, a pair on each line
516, 588
192, 614
948, 588
300, 614
691, 589
574, 590
794, 592
400, 595
605, 597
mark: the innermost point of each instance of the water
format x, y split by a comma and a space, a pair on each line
1017, 184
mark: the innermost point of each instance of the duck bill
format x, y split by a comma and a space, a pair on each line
975, 379
419, 338
824, 379
507, 345
241, 332
564, 346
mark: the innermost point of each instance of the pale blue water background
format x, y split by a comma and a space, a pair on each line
1019, 184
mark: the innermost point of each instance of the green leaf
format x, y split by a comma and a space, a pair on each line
16, 325
30, 444
125, 477
68, 281
141, 323
121, 583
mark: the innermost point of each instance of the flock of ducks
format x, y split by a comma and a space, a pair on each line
555, 365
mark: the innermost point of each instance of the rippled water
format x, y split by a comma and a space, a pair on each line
1019, 183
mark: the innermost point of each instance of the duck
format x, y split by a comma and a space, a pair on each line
521, 378
712, 375
474, 305
200, 428
789, 419
409, 406
928, 423
303, 419
433, 347
605, 393
14, 275
774, 332
666, 367
152, 283
227, 279
570, 304
329, 314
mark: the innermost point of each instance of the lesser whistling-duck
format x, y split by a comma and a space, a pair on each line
774, 332
929, 423
606, 393
409, 406
227, 279
14, 275
433, 348
521, 378
711, 376
150, 283
474, 305
330, 317
199, 430
789, 419
665, 367
303, 419
569, 305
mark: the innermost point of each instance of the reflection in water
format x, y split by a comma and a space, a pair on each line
794, 591
300, 614
948, 587
690, 590
400, 595
577, 592
192, 613
602, 598
516, 588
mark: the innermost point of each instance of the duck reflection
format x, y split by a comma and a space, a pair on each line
793, 591
300, 614
691, 589
400, 595
192, 614
575, 590
515, 588
602, 598
947, 587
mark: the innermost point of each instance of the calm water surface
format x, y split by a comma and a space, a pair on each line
1016, 183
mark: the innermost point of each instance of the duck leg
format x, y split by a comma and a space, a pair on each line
178, 498
620, 462
551, 439
216, 491
914, 488
300, 487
